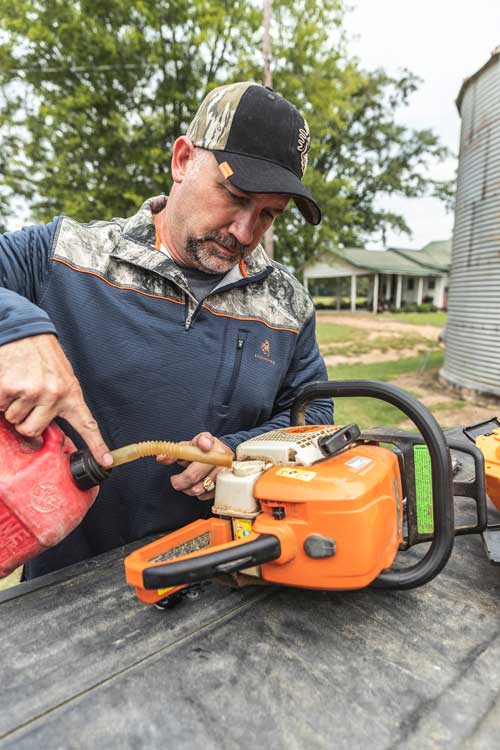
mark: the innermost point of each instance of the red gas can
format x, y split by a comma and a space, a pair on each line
40, 503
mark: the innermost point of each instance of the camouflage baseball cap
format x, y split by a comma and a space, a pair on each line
260, 141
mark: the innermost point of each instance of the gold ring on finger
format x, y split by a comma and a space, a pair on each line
208, 484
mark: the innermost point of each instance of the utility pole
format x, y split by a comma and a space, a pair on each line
268, 81
266, 47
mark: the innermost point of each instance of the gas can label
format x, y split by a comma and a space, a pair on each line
13, 535
46, 498
242, 527
359, 462
304, 476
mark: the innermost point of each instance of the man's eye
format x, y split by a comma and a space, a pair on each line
236, 198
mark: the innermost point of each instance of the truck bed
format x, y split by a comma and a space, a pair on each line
86, 665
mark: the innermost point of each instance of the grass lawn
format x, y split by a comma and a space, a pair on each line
437, 319
332, 333
386, 371
369, 412
370, 347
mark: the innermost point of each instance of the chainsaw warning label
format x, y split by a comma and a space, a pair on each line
304, 476
359, 462
242, 527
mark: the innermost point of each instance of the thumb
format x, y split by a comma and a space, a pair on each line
204, 440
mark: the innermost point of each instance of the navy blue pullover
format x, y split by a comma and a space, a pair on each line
153, 363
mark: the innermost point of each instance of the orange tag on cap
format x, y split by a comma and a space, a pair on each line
225, 169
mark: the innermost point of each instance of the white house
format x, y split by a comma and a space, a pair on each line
398, 277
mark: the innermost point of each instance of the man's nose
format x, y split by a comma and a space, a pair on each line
243, 226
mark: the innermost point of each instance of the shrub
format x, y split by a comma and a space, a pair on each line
426, 307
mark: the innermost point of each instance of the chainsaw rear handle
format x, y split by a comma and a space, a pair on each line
230, 560
442, 544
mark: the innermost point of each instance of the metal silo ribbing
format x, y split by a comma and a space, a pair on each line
472, 358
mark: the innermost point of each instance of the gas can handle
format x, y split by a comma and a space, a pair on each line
52, 437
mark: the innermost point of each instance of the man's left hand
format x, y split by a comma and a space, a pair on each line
190, 481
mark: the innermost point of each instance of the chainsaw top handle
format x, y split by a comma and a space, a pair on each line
442, 543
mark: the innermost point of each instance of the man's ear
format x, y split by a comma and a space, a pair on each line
182, 154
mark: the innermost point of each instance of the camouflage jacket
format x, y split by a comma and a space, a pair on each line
154, 363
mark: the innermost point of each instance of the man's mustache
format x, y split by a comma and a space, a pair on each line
229, 242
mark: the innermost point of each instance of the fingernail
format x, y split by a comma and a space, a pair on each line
107, 459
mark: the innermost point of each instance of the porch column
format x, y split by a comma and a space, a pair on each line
420, 290
337, 294
439, 293
375, 292
399, 287
388, 287
305, 283
353, 293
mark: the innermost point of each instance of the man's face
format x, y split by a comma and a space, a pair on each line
215, 225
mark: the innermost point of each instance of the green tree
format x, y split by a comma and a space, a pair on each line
99, 91
92, 96
359, 152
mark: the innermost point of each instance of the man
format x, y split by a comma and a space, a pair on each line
169, 324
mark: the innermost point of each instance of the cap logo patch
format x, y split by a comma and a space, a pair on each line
226, 170
303, 146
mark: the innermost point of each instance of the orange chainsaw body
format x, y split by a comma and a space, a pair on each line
353, 499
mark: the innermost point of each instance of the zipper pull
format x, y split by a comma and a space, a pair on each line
240, 343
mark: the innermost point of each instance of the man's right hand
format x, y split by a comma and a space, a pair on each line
37, 383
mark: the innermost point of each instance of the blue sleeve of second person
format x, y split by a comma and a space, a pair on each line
24, 267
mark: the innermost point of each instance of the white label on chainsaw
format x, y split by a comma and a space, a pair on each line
304, 476
359, 462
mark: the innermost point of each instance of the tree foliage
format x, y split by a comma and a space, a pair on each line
92, 96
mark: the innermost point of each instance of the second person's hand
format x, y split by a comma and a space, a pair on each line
197, 478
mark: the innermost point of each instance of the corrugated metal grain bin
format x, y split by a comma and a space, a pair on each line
472, 357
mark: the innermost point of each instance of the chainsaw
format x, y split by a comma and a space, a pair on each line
329, 507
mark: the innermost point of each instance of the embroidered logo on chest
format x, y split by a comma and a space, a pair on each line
265, 348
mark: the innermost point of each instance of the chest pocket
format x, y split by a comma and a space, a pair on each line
238, 347
230, 370
251, 371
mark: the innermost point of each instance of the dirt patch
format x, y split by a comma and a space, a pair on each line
378, 325
427, 387
447, 418
450, 408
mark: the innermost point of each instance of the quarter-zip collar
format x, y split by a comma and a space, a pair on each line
137, 247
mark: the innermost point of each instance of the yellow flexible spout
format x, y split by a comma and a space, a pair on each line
168, 448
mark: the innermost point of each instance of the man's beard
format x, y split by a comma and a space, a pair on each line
207, 257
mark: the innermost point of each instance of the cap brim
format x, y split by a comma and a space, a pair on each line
252, 175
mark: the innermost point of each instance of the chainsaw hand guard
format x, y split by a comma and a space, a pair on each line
264, 549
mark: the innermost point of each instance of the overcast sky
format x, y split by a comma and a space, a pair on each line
443, 42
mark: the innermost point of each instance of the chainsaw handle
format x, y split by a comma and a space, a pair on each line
442, 491
265, 548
